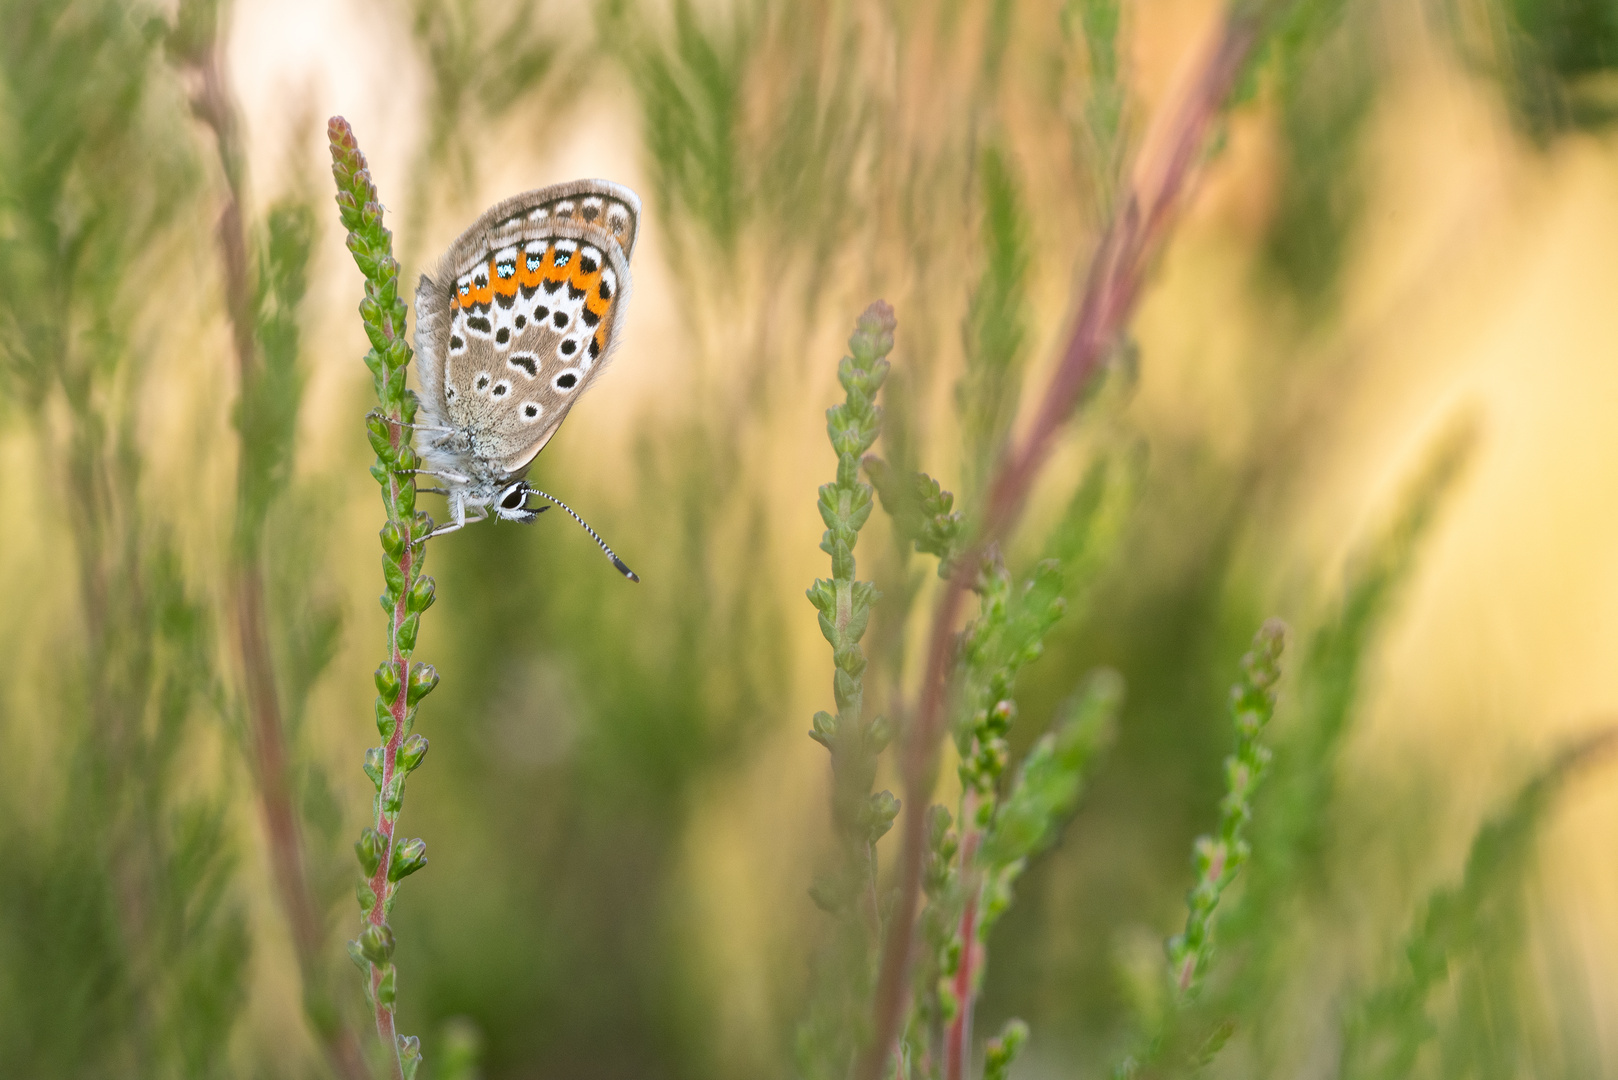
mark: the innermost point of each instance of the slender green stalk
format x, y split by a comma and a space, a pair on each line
1168, 1042
1220, 857
859, 817
400, 685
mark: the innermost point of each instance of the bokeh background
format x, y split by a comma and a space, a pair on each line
1370, 389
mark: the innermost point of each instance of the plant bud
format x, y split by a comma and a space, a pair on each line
423, 677
387, 680
421, 594
411, 753
369, 848
408, 857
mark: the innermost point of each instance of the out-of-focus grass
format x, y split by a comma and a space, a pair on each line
591, 741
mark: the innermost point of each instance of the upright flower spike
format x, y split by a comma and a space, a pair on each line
1218, 858
859, 817
845, 603
384, 859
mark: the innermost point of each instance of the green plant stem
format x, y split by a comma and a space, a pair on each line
844, 603
1219, 858
1111, 290
958, 1039
386, 823
384, 858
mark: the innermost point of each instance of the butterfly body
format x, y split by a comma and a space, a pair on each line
513, 324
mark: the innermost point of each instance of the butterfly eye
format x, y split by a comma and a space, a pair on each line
514, 499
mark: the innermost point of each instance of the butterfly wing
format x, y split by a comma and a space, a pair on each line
522, 314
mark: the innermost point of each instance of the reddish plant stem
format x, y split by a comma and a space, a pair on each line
398, 709
1111, 290
211, 103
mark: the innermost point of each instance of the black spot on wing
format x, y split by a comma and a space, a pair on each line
595, 348
526, 362
502, 335
505, 301
479, 323
590, 318
588, 265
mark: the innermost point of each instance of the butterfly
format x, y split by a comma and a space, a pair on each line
513, 325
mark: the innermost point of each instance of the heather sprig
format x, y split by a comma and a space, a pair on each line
923, 512
970, 876
1218, 858
969, 869
1051, 777
844, 603
859, 817
385, 858
1000, 1051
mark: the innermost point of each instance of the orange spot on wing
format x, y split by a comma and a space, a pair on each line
589, 283
553, 272
529, 278
592, 300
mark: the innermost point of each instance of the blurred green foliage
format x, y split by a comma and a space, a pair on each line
954, 158
123, 943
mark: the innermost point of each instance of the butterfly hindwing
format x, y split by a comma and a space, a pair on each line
521, 315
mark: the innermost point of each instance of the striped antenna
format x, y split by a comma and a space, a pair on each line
616, 561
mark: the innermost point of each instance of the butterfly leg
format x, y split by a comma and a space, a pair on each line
432, 491
462, 519
446, 474
414, 427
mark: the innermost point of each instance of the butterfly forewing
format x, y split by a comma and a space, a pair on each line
522, 314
